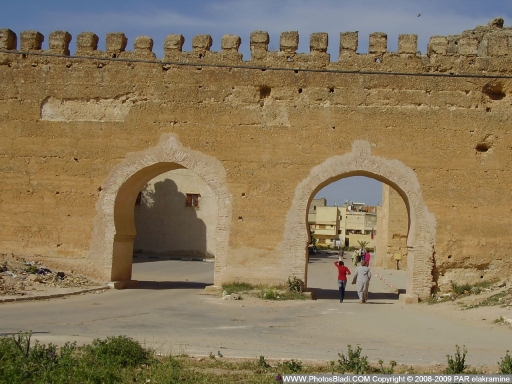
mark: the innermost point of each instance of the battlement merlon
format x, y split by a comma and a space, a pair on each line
491, 40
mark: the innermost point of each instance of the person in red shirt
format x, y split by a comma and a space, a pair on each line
342, 278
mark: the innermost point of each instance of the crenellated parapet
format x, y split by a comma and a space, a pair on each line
491, 40
489, 45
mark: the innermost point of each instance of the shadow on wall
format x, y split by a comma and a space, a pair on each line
166, 226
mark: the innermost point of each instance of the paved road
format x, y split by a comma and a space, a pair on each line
170, 312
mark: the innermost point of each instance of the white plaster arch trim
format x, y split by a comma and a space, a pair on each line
170, 154
422, 230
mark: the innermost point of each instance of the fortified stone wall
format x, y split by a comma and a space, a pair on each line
81, 135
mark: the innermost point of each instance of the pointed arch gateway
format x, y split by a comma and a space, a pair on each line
360, 162
114, 231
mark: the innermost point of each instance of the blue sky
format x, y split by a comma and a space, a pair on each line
158, 18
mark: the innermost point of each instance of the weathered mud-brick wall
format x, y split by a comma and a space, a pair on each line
81, 136
394, 213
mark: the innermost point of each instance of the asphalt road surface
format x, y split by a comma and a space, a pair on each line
171, 312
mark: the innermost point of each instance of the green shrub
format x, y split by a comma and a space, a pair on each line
21, 362
384, 370
505, 365
31, 269
262, 363
119, 351
461, 289
290, 366
353, 362
457, 364
296, 285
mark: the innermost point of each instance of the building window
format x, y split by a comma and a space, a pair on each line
192, 200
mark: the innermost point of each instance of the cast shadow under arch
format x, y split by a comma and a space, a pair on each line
166, 226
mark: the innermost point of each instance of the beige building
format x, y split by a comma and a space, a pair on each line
345, 226
326, 223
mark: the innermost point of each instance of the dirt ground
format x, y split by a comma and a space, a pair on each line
30, 278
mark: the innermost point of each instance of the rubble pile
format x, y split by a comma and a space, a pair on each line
19, 277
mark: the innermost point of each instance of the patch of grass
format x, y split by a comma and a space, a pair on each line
500, 298
31, 269
273, 293
461, 289
290, 366
122, 360
501, 321
293, 291
237, 287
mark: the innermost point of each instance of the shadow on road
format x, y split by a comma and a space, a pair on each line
333, 294
169, 285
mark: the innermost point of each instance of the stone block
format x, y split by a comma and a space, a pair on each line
437, 45
289, 42
143, 44
87, 41
201, 43
407, 44
497, 44
8, 39
452, 48
259, 44
58, 42
468, 46
318, 42
230, 43
116, 42
123, 284
174, 43
349, 41
212, 289
378, 43
406, 298
258, 37
31, 41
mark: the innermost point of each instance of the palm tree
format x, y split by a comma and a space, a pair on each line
363, 243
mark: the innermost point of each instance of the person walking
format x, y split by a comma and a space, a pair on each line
342, 278
367, 258
341, 253
354, 257
362, 278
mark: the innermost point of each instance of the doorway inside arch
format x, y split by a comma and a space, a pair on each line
346, 219
175, 217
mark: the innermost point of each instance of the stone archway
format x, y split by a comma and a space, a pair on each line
111, 250
360, 162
